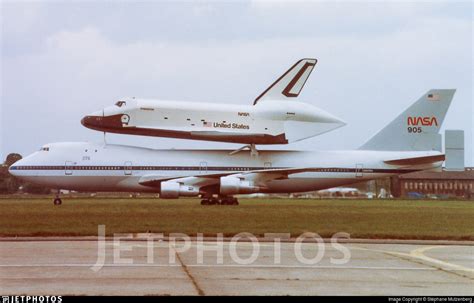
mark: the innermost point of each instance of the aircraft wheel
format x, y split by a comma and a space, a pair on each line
57, 201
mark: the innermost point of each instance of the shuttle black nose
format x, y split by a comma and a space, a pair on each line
92, 122
103, 123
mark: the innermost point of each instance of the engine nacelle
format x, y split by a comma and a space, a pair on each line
232, 185
174, 190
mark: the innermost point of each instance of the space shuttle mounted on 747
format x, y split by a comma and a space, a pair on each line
274, 117
410, 143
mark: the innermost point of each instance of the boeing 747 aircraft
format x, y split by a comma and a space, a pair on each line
409, 143
274, 117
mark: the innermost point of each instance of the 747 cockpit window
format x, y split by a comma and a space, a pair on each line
44, 148
121, 103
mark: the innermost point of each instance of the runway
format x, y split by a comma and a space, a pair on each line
67, 267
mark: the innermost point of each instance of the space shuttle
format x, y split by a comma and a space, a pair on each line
275, 117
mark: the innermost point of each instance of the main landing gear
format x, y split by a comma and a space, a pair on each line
57, 200
219, 201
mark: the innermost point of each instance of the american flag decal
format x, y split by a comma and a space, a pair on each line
433, 97
207, 124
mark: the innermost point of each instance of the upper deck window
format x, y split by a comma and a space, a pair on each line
121, 103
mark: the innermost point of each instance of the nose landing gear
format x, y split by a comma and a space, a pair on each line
57, 200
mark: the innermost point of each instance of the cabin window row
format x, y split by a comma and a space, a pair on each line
88, 167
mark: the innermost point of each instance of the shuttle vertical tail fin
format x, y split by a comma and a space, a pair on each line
417, 127
290, 84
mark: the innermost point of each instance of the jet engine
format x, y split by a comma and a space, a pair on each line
174, 190
232, 185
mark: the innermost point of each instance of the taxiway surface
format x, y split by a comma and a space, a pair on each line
64, 267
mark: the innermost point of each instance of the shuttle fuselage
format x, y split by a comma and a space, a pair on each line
276, 122
274, 118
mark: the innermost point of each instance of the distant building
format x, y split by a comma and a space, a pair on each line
443, 184
454, 150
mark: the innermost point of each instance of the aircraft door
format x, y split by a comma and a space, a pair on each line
127, 169
68, 168
202, 167
359, 170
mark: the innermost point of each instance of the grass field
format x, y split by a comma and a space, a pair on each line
395, 219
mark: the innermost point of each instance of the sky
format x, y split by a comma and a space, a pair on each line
62, 60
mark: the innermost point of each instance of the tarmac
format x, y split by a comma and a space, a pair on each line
69, 266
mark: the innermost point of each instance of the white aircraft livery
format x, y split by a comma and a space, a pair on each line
274, 118
409, 143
